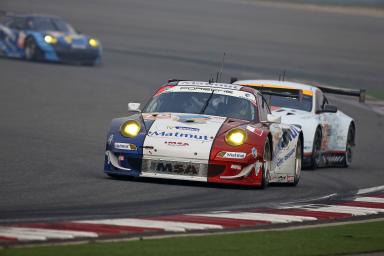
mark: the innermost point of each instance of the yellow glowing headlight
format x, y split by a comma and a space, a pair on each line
236, 137
68, 39
93, 42
130, 129
50, 39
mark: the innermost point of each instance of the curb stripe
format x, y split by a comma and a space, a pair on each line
42, 234
376, 206
317, 214
225, 222
100, 229
370, 199
273, 218
166, 225
355, 211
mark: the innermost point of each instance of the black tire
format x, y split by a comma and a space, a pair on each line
267, 158
349, 146
32, 50
316, 150
298, 162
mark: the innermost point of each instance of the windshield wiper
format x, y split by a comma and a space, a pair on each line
207, 102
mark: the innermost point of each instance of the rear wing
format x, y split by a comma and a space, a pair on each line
344, 91
360, 93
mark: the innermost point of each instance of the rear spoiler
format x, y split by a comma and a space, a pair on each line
344, 91
360, 93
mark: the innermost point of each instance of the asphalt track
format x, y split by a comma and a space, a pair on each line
54, 118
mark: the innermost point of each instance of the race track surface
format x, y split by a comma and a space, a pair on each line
54, 118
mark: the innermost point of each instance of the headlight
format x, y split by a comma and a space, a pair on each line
50, 39
68, 39
130, 129
93, 42
236, 137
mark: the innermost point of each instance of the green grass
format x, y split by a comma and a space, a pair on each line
379, 94
350, 238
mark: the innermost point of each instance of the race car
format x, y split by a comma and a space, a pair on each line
208, 132
329, 134
46, 38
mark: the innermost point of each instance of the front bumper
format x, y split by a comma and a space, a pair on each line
217, 171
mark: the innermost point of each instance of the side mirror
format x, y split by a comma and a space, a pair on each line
134, 107
328, 109
273, 119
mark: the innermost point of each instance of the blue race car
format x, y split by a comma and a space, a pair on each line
46, 38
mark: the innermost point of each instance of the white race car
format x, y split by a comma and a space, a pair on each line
329, 134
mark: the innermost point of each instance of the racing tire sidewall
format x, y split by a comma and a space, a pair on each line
298, 162
266, 165
32, 51
316, 150
349, 147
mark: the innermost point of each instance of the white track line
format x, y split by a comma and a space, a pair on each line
42, 234
370, 190
370, 199
273, 218
173, 226
356, 211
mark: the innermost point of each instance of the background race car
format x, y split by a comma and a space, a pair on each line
208, 132
46, 38
329, 134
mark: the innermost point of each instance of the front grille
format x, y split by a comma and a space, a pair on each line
77, 55
174, 167
215, 169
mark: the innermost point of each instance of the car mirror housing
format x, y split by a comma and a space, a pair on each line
273, 119
134, 107
328, 109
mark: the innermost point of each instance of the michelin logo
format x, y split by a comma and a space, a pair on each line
233, 155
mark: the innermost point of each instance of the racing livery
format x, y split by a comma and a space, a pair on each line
329, 134
209, 132
46, 38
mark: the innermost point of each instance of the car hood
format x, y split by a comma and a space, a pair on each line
178, 135
291, 116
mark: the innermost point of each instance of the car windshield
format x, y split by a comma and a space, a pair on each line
49, 24
305, 103
211, 103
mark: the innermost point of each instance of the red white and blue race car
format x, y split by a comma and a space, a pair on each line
329, 134
209, 132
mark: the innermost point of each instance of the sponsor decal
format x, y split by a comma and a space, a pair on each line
176, 143
200, 119
254, 152
155, 116
220, 85
290, 178
236, 167
286, 157
110, 138
184, 135
207, 90
183, 128
125, 146
255, 130
121, 158
334, 158
233, 155
175, 168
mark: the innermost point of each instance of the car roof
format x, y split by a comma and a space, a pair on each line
307, 89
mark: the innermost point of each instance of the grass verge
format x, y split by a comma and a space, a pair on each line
331, 240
